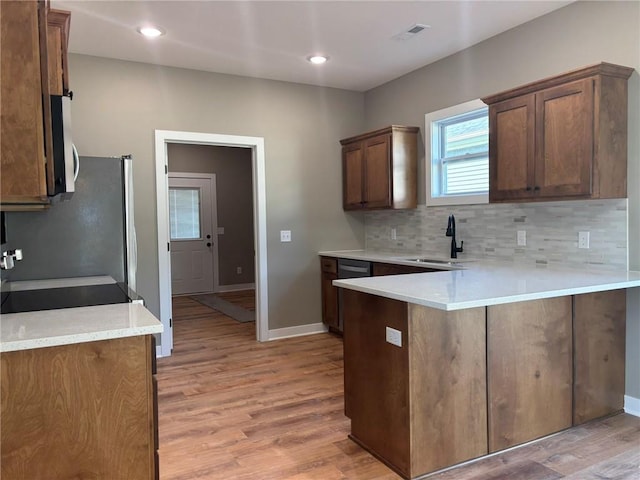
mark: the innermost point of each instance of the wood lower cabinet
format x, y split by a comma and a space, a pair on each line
86, 410
599, 326
529, 365
329, 273
469, 382
379, 169
329, 269
560, 138
421, 406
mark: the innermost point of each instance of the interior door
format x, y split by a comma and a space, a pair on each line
191, 229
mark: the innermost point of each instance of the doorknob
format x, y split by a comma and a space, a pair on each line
208, 244
208, 236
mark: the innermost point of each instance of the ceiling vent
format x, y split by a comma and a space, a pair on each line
411, 32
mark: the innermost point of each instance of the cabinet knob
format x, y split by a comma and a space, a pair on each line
536, 188
528, 189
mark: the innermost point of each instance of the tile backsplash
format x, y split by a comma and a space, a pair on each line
490, 232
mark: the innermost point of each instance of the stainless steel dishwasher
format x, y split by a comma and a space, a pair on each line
348, 268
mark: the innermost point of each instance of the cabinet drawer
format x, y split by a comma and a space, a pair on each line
329, 265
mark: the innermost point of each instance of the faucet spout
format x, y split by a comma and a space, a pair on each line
451, 232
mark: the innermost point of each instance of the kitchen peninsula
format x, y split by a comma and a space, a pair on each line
78, 393
443, 367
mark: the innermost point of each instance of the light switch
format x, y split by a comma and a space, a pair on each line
285, 235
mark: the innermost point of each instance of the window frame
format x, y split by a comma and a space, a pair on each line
431, 162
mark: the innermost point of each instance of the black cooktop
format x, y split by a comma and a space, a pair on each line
65, 297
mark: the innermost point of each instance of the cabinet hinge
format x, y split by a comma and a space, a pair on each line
168, 246
170, 322
166, 169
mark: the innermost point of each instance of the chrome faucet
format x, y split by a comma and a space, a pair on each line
451, 232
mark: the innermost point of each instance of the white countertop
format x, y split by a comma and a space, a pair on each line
481, 283
399, 258
24, 331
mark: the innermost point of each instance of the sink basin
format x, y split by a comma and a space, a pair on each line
431, 260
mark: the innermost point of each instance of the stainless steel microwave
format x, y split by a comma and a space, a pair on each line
65, 157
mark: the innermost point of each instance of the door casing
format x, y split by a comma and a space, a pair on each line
256, 144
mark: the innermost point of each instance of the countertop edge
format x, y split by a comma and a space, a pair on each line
67, 326
30, 344
486, 302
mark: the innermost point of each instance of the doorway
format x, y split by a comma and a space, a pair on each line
256, 144
192, 229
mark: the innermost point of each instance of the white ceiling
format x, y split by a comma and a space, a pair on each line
271, 39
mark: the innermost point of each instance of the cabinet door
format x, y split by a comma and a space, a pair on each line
329, 300
22, 143
599, 354
377, 174
78, 411
352, 167
376, 377
57, 40
529, 370
564, 140
511, 148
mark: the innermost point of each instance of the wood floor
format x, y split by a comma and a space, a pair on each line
231, 408
242, 298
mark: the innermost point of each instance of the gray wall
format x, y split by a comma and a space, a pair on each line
580, 34
81, 237
117, 106
234, 192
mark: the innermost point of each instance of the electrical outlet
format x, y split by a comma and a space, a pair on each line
394, 234
522, 238
583, 239
239, 270
394, 336
285, 235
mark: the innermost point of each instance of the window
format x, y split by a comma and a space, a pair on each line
457, 150
184, 213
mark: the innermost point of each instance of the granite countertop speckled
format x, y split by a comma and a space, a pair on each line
24, 331
478, 283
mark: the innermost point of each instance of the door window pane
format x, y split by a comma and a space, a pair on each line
184, 213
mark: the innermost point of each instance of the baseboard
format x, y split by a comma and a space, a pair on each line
632, 405
236, 287
299, 331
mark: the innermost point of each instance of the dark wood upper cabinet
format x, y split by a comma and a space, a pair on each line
560, 138
33, 61
57, 46
379, 169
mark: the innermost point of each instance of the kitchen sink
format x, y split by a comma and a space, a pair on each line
431, 260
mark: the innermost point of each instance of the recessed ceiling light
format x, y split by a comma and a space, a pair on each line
150, 31
318, 59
